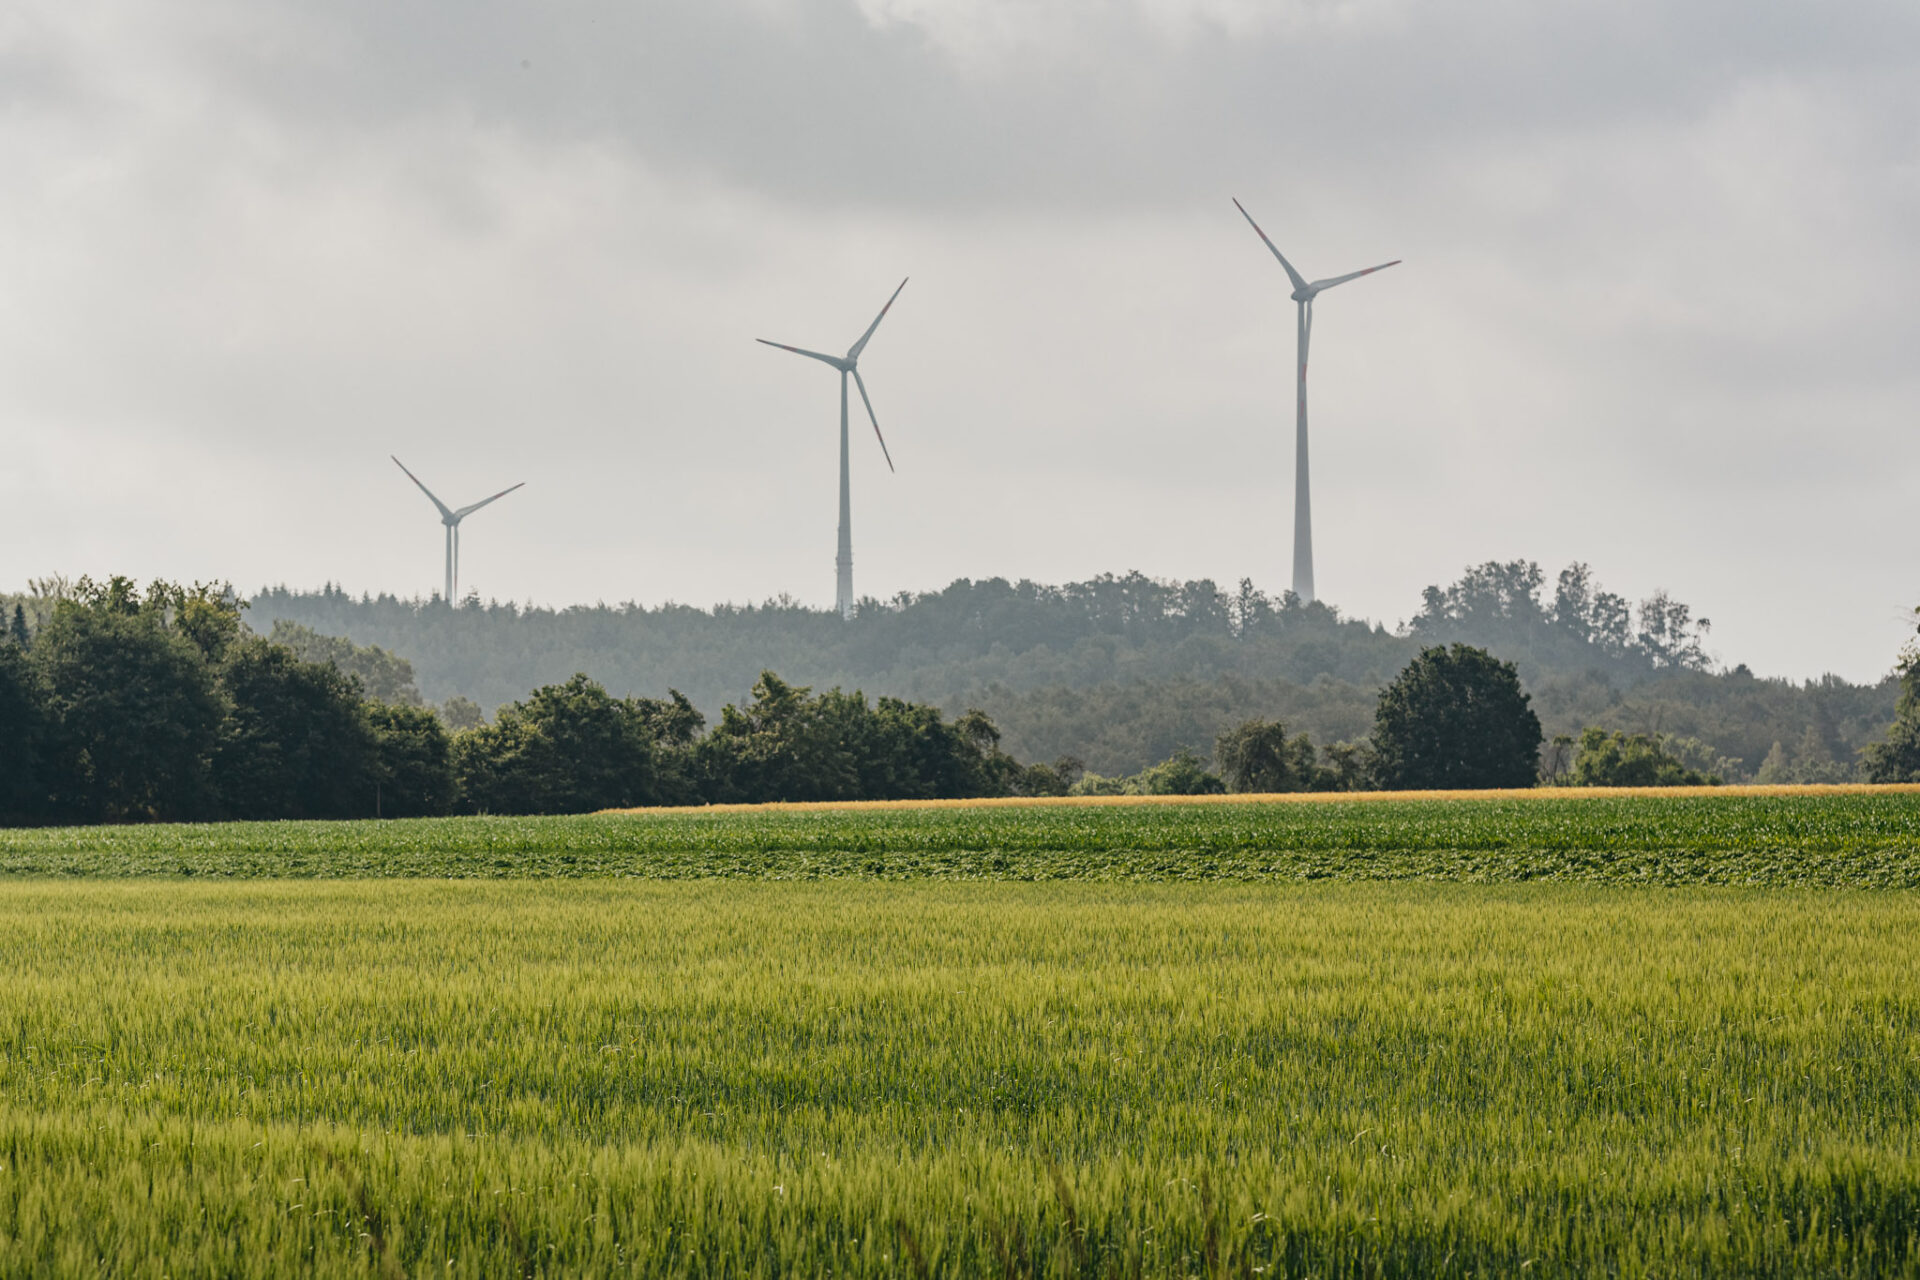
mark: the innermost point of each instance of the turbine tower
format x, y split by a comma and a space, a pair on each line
452, 519
848, 364
1303, 293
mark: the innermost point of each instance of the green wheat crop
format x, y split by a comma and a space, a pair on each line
560, 1077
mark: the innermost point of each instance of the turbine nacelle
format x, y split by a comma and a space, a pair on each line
849, 366
451, 518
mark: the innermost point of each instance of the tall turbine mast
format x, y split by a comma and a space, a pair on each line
1303, 294
451, 518
848, 365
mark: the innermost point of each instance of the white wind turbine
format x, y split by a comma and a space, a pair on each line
848, 364
452, 519
1304, 294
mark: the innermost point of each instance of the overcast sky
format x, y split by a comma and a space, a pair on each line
1657, 312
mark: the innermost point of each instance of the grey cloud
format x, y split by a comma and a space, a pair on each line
810, 100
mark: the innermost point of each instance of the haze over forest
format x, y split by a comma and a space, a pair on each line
1653, 312
1124, 671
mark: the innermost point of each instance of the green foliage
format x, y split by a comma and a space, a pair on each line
1636, 760
791, 744
474, 1080
134, 708
1499, 606
1257, 756
568, 748
384, 677
1455, 718
23, 738
1896, 758
1183, 775
295, 742
459, 714
948, 647
413, 762
1809, 761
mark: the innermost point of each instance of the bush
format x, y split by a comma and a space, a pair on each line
1182, 775
1637, 760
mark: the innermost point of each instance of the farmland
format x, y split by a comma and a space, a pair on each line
1535, 1034
1862, 838
875, 1079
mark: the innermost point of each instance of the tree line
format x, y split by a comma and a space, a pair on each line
1126, 671
129, 705
161, 705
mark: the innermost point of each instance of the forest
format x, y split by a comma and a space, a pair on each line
1124, 671
168, 704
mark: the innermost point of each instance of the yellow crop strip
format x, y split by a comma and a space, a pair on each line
1293, 797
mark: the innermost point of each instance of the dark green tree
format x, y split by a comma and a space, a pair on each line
1258, 756
1631, 760
568, 748
413, 762
1455, 718
23, 738
134, 708
17, 630
296, 741
784, 745
1896, 758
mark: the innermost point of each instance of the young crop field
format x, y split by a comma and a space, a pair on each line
1804, 837
873, 1078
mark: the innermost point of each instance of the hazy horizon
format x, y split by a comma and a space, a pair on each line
1654, 312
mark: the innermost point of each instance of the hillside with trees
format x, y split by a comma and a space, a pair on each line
1125, 671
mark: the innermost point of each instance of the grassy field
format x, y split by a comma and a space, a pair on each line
869, 1078
1841, 837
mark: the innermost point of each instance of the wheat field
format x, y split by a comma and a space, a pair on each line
562, 1077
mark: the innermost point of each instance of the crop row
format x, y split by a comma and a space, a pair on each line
1859, 839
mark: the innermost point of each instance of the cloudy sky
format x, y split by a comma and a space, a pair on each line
1658, 307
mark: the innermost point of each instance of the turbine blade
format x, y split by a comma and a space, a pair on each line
1292, 275
446, 514
835, 361
1352, 275
468, 510
861, 345
859, 382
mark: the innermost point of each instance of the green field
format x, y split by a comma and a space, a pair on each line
1866, 840
917, 1062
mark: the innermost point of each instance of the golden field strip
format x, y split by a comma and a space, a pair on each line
1302, 797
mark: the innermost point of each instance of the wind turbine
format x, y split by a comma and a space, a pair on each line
1304, 294
848, 364
452, 519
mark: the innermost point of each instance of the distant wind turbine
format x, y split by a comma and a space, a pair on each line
452, 519
848, 364
1304, 294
